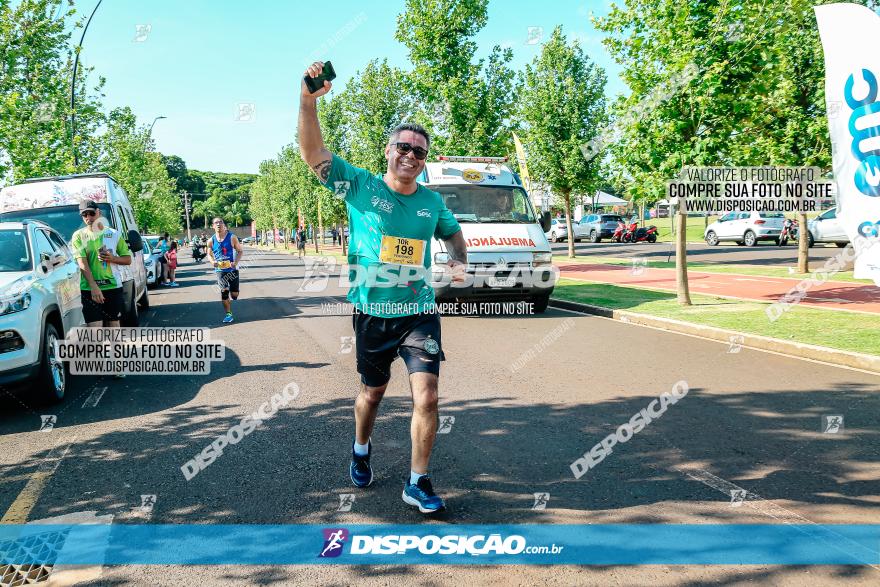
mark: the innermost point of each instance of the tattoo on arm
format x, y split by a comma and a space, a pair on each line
456, 247
322, 170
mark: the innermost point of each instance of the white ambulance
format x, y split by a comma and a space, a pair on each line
509, 256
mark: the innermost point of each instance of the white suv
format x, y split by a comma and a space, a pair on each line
745, 228
39, 304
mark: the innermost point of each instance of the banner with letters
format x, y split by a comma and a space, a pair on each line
851, 41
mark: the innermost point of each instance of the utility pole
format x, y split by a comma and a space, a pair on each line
187, 206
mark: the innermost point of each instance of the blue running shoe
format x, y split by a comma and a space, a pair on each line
422, 495
360, 471
227, 319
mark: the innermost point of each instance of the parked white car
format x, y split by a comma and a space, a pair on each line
55, 201
151, 262
39, 304
745, 228
826, 229
559, 231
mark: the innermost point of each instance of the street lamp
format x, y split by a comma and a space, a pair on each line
150, 132
154, 124
73, 88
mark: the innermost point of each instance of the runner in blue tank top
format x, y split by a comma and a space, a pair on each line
224, 252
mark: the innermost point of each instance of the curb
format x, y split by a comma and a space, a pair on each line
798, 350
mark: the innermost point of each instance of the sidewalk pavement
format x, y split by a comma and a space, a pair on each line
831, 295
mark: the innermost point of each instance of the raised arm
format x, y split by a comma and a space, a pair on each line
311, 143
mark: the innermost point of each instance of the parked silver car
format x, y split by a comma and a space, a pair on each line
559, 231
825, 228
599, 226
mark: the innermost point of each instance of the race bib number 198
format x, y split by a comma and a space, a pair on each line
402, 251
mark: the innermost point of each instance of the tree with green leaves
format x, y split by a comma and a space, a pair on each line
466, 104
140, 171
562, 107
375, 101
36, 59
791, 128
688, 60
333, 116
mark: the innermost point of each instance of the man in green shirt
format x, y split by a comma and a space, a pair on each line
101, 252
392, 220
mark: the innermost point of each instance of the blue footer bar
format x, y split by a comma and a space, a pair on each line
613, 544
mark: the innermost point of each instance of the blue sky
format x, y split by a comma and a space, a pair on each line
200, 59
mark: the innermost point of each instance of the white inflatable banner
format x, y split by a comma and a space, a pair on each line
851, 40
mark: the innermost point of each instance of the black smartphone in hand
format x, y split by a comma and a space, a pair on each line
316, 83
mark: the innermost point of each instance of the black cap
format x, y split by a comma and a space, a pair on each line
87, 205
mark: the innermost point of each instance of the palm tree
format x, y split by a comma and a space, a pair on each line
200, 208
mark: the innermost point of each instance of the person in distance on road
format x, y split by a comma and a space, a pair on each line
393, 220
300, 236
224, 252
171, 258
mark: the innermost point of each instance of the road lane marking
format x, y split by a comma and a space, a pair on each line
771, 509
25, 501
94, 398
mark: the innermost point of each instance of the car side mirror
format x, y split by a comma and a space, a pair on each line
545, 221
135, 242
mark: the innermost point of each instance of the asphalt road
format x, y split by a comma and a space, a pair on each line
750, 418
726, 253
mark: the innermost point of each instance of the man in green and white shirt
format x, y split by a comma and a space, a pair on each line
102, 255
392, 220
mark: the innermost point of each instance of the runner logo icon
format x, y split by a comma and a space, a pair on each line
334, 539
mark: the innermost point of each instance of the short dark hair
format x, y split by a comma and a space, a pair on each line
410, 126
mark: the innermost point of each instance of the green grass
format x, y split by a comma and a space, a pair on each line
829, 328
758, 270
695, 228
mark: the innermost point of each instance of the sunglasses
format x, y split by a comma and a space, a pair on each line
87, 213
418, 152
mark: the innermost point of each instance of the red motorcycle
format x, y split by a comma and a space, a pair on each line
634, 234
789, 231
617, 237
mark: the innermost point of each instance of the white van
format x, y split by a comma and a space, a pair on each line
508, 254
55, 201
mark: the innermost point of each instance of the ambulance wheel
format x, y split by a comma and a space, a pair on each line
540, 303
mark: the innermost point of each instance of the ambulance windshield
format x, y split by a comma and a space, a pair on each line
487, 203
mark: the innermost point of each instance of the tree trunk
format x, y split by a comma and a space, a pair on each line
566, 199
320, 226
803, 249
342, 239
681, 274
274, 233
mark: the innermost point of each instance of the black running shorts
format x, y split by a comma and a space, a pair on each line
227, 282
416, 339
110, 310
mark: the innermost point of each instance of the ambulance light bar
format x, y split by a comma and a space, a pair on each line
455, 159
